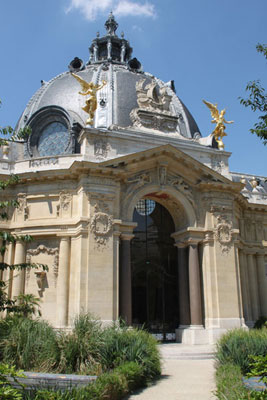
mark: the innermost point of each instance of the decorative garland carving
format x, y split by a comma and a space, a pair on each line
43, 249
140, 180
224, 233
101, 223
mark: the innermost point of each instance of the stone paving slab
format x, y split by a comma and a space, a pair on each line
183, 378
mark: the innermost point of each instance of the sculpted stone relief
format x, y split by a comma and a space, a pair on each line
101, 223
140, 180
46, 250
23, 208
65, 200
179, 184
153, 108
101, 148
224, 233
217, 164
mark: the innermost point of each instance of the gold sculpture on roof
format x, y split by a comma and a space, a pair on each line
219, 120
89, 88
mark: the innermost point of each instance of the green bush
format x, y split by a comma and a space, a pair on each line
123, 345
7, 392
28, 344
109, 386
229, 383
236, 347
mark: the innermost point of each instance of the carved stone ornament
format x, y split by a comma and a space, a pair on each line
217, 164
151, 97
22, 207
153, 108
140, 180
47, 250
153, 120
101, 148
224, 233
162, 172
179, 184
101, 223
65, 199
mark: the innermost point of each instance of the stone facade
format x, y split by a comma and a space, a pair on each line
78, 207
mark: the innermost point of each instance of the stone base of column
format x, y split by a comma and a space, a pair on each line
215, 328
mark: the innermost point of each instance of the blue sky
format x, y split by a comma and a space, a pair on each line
206, 46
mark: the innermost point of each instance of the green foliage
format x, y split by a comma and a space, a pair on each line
229, 383
7, 392
258, 367
123, 358
28, 344
28, 305
236, 347
109, 386
122, 345
257, 101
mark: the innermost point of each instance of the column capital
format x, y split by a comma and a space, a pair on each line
126, 236
180, 245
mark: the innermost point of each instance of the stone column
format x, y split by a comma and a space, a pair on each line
63, 282
253, 287
194, 286
183, 287
125, 281
262, 284
245, 287
18, 275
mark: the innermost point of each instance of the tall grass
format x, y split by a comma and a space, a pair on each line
28, 344
89, 349
238, 345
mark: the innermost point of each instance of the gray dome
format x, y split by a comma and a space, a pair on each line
126, 85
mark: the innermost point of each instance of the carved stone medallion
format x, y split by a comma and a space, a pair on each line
101, 223
224, 233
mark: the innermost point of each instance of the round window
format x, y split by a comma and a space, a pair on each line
53, 139
145, 206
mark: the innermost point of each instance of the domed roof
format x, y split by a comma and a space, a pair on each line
129, 97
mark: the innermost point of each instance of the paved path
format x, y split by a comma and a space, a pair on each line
187, 374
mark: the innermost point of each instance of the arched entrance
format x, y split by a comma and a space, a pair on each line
154, 270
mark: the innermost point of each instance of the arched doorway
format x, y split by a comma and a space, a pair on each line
154, 270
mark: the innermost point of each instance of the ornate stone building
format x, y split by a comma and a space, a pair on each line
135, 213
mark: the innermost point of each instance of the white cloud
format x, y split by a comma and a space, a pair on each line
92, 8
127, 7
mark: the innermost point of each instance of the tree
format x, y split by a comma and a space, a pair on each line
8, 135
257, 101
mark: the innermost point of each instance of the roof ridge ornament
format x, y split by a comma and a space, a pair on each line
111, 25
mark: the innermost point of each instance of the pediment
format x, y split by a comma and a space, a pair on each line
170, 164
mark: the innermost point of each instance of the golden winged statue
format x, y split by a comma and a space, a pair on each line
219, 120
89, 88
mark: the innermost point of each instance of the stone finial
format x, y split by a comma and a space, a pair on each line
111, 25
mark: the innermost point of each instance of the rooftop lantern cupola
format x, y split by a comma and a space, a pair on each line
110, 48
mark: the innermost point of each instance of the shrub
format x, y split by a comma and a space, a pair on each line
80, 349
236, 346
28, 344
7, 392
229, 383
258, 367
123, 345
